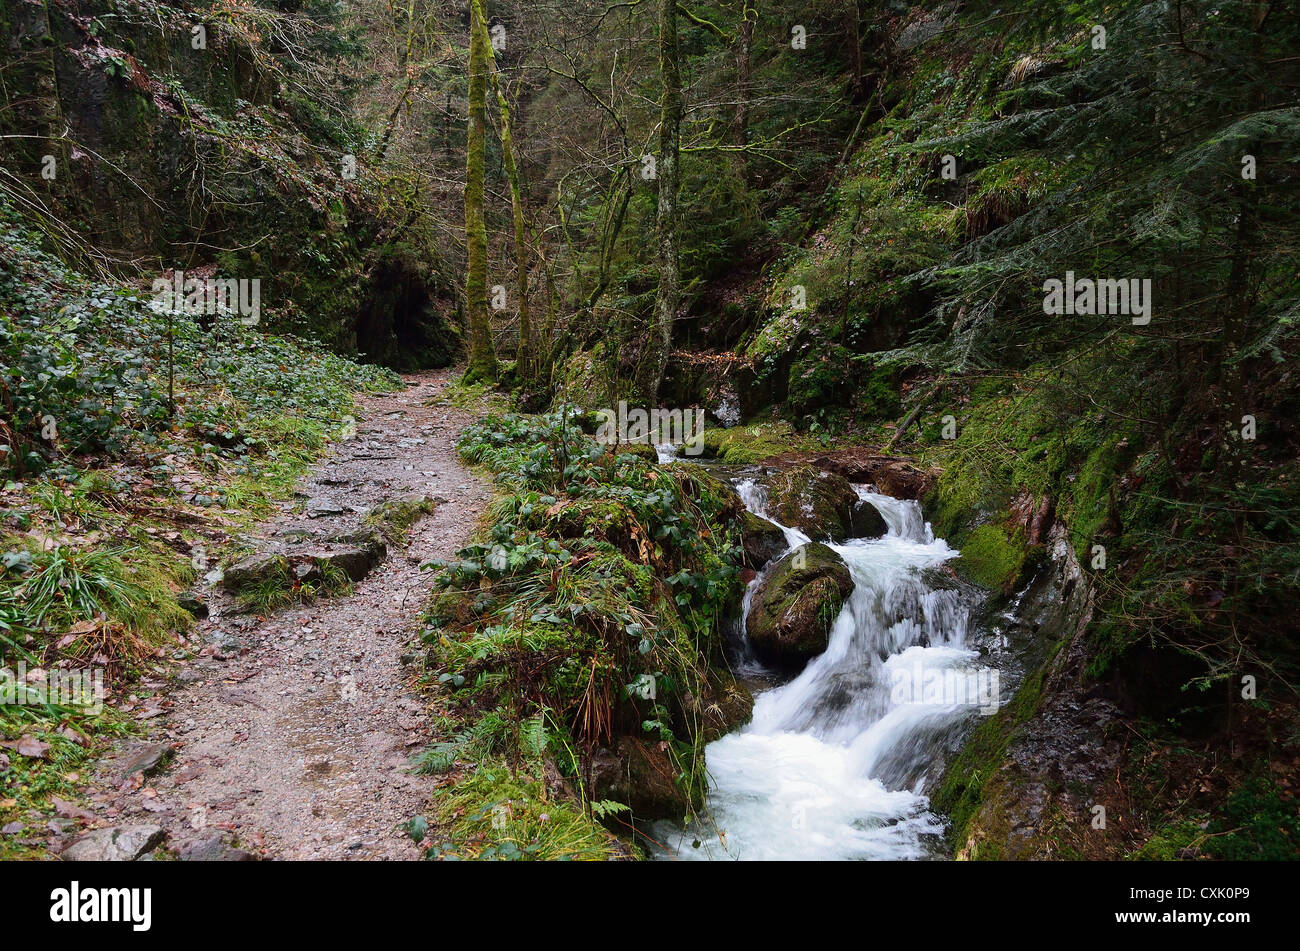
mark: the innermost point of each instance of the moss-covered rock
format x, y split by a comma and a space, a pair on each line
761, 539
393, 518
819, 504
867, 521
794, 607
742, 445
255, 569
642, 776
642, 450
724, 705
994, 558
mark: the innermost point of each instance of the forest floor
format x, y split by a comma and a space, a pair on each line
288, 735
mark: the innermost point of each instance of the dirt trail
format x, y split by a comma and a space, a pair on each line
292, 733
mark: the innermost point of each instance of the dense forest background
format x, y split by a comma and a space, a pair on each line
829, 223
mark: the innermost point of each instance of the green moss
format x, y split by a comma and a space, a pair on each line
395, 517
496, 813
30, 782
1260, 822
741, 445
992, 558
965, 787
1169, 843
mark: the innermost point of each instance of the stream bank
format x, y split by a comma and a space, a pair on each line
844, 758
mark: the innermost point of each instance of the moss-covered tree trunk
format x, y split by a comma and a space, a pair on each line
744, 49
650, 371
524, 355
482, 358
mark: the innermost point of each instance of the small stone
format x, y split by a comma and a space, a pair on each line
146, 758
323, 507
212, 849
117, 844
193, 605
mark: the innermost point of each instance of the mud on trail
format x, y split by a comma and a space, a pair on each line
289, 736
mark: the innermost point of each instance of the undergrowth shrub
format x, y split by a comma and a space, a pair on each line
591, 604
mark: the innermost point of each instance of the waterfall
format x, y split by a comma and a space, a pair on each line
833, 762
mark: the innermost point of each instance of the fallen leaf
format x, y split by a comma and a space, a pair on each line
31, 747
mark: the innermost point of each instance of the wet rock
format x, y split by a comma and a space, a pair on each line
354, 562
867, 521
894, 476
393, 517
819, 504
117, 844
640, 775
368, 538
726, 705
794, 607
296, 536
1023, 784
696, 481
193, 605
761, 539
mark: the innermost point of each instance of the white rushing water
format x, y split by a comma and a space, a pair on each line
832, 763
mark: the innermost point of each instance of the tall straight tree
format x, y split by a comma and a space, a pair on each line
524, 355
650, 371
482, 357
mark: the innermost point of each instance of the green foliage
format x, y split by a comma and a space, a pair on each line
85, 370
1259, 823
283, 588
597, 575
494, 815
130, 594
993, 558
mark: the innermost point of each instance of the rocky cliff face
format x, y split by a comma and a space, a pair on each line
1025, 785
153, 135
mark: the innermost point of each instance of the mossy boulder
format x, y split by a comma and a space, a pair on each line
822, 505
996, 558
255, 569
724, 704
642, 450
761, 539
640, 775
699, 484
742, 445
794, 607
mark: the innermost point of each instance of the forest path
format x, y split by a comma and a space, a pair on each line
290, 734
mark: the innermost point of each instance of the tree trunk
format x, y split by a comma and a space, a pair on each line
650, 371
853, 27
524, 355
482, 358
744, 63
